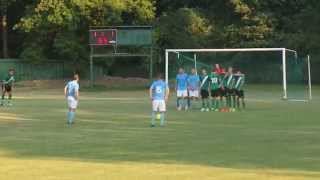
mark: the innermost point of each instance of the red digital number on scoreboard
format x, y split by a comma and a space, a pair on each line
103, 37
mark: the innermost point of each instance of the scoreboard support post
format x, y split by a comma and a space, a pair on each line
151, 63
91, 66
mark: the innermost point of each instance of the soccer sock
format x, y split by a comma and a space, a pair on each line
228, 101
217, 104
243, 104
178, 102
221, 102
233, 101
213, 103
9, 98
202, 103
183, 102
69, 117
238, 103
162, 119
153, 118
2, 99
207, 103
72, 116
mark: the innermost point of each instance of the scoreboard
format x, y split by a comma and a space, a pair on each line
103, 37
121, 36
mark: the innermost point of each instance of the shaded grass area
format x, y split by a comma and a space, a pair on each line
113, 127
119, 87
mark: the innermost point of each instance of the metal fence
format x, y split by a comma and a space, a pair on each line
27, 71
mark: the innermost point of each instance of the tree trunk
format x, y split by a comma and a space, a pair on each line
4, 36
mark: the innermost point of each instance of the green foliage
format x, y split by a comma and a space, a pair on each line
33, 53
4, 4
61, 26
184, 28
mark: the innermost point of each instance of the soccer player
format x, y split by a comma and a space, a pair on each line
229, 82
182, 89
215, 93
159, 94
193, 86
71, 91
204, 78
222, 90
7, 87
239, 83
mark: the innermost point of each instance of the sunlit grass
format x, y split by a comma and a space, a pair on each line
49, 169
112, 139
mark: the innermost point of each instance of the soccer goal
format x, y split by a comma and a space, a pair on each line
272, 72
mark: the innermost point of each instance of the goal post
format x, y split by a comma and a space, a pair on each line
309, 77
289, 63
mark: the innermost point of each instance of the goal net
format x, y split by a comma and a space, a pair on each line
270, 72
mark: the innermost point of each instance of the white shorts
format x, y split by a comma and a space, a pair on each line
194, 93
159, 105
183, 93
72, 102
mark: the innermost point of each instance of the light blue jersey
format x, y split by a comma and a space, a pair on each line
182, 82
159, 88
193, 81
72, 88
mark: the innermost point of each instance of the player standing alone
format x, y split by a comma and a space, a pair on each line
7, 86
193, 85
182, 89
71, 91
159, 94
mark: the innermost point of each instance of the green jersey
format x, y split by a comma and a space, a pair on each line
9, 80
239, 82
229, 81
204, 82
214, 81
221, 79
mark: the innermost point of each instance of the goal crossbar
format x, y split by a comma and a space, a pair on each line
231, 50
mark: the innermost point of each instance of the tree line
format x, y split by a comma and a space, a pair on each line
38, 30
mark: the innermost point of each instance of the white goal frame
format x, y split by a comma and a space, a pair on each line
282, 50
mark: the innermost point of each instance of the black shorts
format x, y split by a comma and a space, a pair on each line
230, 92
6, 88
204, 94
222, 92
215, 93
240, 93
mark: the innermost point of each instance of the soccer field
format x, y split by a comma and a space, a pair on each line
271, 140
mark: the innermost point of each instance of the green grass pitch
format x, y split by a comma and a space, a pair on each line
112, 139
